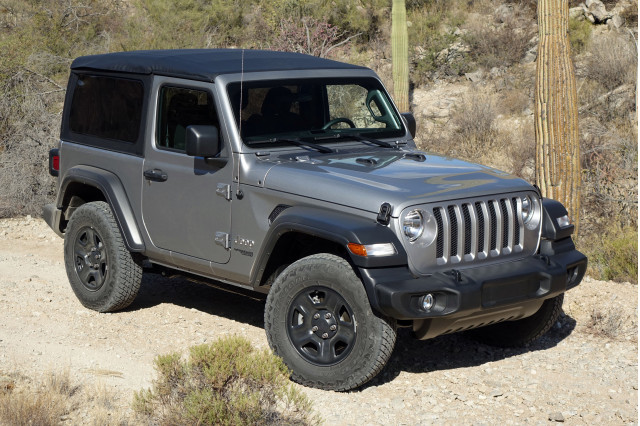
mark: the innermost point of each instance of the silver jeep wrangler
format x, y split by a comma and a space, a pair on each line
296, 177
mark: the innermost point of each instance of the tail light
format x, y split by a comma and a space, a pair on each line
54, 162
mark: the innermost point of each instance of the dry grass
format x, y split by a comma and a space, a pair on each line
613, 60
473, 122
54, 399
607, 323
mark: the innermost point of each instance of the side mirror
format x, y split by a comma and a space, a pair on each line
203, 141
410, 121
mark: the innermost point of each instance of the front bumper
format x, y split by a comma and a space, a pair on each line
473, 297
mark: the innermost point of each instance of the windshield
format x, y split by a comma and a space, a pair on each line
313, 110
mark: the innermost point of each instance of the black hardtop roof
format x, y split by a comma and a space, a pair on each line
203, 64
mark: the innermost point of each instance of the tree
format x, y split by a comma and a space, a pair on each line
556, 118
400, 54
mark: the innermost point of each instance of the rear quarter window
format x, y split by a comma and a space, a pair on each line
107, 107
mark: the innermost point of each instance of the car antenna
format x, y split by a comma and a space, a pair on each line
241, 93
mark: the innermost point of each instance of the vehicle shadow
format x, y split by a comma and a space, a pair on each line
411, 355
458, 350
222, 300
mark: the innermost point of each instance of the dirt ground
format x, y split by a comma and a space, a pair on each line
584, 371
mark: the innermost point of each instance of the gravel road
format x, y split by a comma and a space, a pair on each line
584, 371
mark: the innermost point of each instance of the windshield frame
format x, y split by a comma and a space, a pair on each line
236, 89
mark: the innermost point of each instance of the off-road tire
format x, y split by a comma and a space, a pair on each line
103, 274
340, 296
521, 332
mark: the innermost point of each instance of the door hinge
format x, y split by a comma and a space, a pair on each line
224, 190
222, 239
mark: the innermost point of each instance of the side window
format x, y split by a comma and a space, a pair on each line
107, 107
179, 108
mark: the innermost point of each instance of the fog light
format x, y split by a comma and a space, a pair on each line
428, 301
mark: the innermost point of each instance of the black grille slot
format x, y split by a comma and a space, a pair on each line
505, 223
453, 224
467, 228
516, 222
480, 216
494, 225
440, 238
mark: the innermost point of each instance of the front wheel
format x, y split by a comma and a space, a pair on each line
524, 331
318, 319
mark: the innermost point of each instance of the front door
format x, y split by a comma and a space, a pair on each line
185, 204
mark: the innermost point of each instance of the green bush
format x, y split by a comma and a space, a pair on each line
226, 382
579, 35
613, 255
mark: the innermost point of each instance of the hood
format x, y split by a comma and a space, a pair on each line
400, 178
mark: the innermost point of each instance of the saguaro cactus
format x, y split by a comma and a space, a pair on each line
400, 54
556, 118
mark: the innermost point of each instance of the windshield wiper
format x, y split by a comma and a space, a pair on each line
297, 142
357, 137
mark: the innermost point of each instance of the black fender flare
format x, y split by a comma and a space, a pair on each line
116, 196
552, 210
337, 227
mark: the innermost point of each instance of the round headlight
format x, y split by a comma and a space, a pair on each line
528, 209
413, 225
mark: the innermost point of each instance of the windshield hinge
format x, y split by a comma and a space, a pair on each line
224, 190
222, 239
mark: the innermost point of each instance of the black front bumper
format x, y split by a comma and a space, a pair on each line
476, 296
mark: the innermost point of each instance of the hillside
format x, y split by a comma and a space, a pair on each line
471, 71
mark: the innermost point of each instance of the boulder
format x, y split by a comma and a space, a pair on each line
615, 22
597, 11
579, 12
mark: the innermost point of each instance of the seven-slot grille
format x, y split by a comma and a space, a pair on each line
477, 230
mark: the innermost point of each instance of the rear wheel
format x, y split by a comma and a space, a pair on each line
103, 273
521, 332
318, 319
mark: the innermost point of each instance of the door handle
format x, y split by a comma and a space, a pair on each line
155, 175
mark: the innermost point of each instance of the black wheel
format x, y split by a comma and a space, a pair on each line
521, 332
335, 121
318, 319
102, 272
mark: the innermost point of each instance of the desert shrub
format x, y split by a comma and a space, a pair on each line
474, 124
521, 150
55, 399
501, 43
607, 323
579, 35
22, 405
613, 60
613, 255
226, 382
431, 34
310, 36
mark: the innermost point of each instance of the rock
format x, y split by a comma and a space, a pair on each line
530, 57
578, 12
474, 77
598, 11
556, 417
615, 22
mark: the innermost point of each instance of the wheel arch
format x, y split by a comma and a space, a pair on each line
320, 230
84, 184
